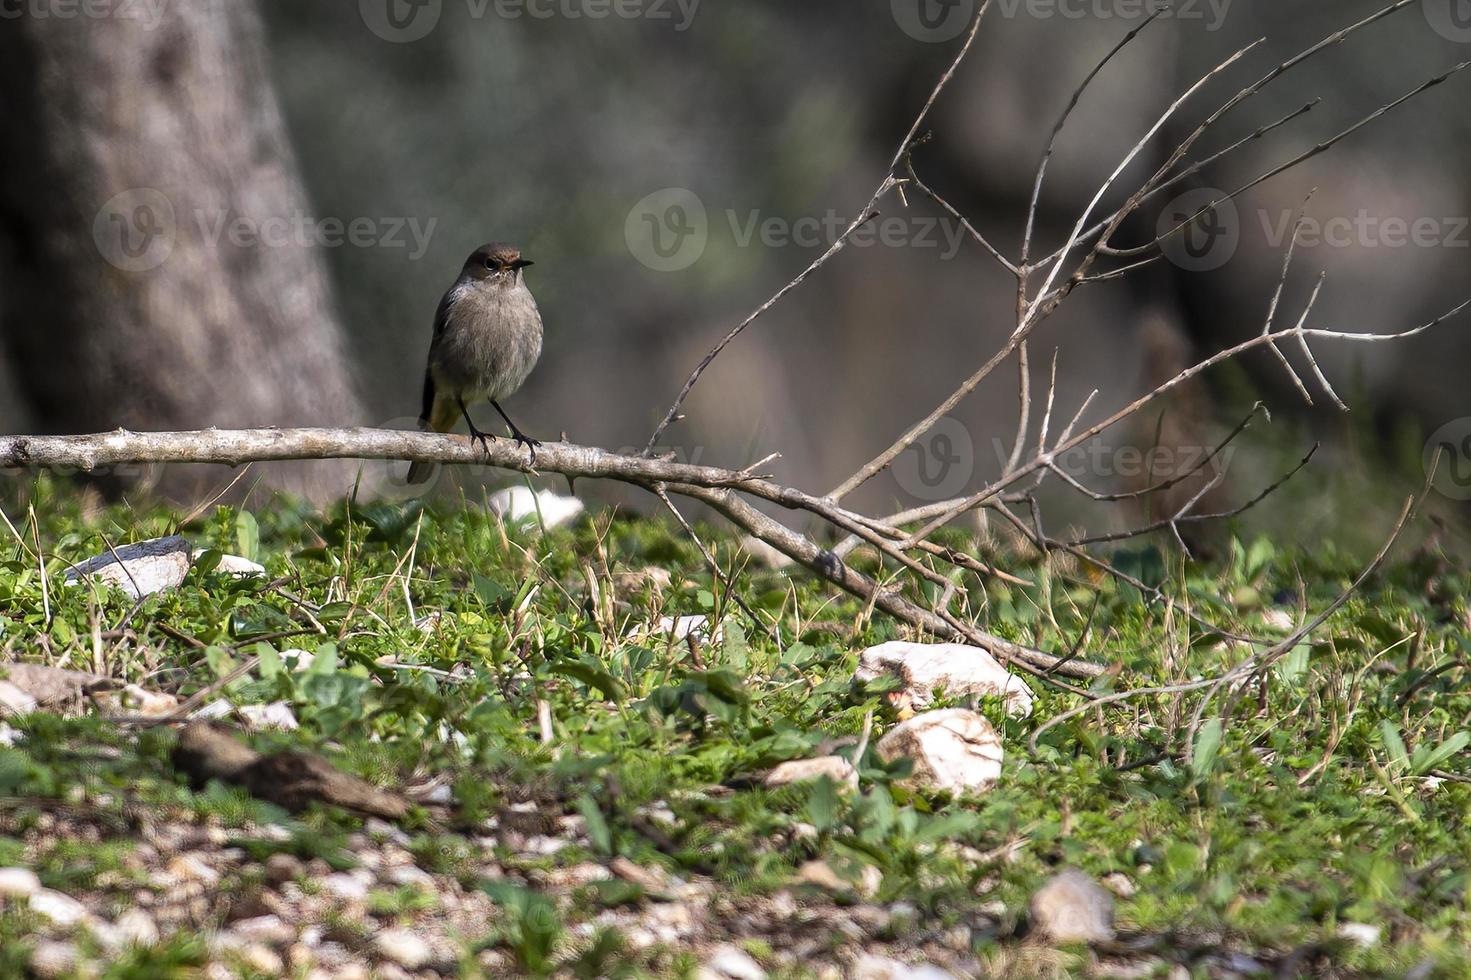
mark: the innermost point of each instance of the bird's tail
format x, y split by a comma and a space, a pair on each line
439, 415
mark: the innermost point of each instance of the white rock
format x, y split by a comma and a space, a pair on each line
954, 750
14, 701
871, 967
139, 569
1360, 933
402, 947
63, 910
834, 767
298, 661
235, 565
215, 710
54, 959
1279, 619
681, 628
413, 876
263, 959
264, 929
345, 887
137, 927
764, 553
518, 503
136, 700
18, 883
277, 714
1073, 908
727, 961
9, 737
954, 668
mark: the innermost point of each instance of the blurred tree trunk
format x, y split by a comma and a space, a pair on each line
152, 273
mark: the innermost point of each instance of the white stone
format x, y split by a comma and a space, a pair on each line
54, 959
403, 947
63, 910
14, 701
277, 714
871, 967
518, 503
345, 887
18, 883
140, 569
137, 927
9, 737
264, 929
1073, 908
733, 963
956, 669
681, 628
235, 565
1360, 933
953, 750
298, 661
834, 767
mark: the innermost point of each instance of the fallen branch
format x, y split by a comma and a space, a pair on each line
722, 489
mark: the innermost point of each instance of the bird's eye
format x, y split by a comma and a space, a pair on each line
490, 264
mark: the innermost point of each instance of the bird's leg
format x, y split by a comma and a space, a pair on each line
475, 434
517, 434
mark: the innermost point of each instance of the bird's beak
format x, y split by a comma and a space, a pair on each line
522, 263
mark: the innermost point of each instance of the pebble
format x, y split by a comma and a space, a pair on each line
402, 947
18, 883
264, 929
733, 963
1073, 908
137, 927
54, 959
282, 867
345, 887
63, 910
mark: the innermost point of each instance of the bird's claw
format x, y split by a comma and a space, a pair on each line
531, 445
483, 438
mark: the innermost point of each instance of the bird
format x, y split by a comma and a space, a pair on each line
487, 339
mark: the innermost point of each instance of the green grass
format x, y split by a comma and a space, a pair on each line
1315, 806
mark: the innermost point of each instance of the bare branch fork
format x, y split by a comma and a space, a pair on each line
918, 565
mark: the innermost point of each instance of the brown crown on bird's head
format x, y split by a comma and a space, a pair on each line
495, 261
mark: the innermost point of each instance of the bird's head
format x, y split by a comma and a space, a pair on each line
495, 263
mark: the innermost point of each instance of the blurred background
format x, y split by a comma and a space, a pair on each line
215, 212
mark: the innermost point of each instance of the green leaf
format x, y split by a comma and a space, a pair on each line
1207, 749
1427, 759
593, 674
597, 825
247, 535
1399, 756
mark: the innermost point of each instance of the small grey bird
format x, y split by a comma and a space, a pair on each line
487, 338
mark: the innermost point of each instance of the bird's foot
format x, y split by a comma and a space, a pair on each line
522, 439
483, 438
